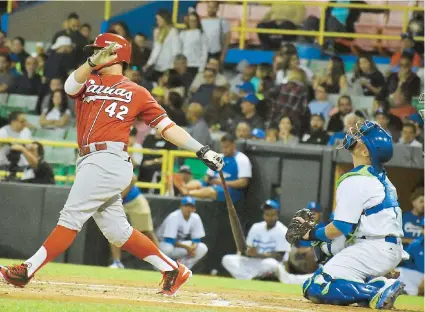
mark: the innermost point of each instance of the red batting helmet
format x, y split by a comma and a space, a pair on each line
124, 49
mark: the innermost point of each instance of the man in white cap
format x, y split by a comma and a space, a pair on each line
61, 60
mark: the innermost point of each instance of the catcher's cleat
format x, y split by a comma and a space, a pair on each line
385, 300
173, 280
17, 275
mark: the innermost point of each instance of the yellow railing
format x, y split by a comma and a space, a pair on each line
321, 33
162, 185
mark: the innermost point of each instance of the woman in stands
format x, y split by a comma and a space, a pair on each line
291, 61
194, 44
286, 132
121, 28
57, 115
367, 74
166, 45
335, 78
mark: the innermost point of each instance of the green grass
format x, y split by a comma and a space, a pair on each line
202, 283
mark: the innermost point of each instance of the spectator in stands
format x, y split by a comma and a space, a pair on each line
41, 62
166, 45
6, 77
246, 76
61, 60
336, 122
174, 109
15, 129
174, 83
121, 28
350, 121
290, 99
203, 94
39, 171
280, 16
407, 46
72, 31
263, 80
383, 120
18, 53
413, 219
368, 75
401, 104
199, 127
85, 31
133, 73
290, 63
286, 135
249, 112
408, 135
237, 171
418, 121
136, 157
334, 78
220, 114
158, 94
405, 79
381, 103
181, 232
243, 90
140, 51
45, 96
217, 31
243, 131
272, 135
220, 80
4, 49
183, 71
317, 134
258, 134
320, 105
186, 176
194, 44
29, 82
150, 169
57, 115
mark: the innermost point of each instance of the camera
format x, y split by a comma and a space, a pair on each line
13, 157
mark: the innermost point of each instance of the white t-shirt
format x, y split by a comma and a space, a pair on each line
177, 227
7, 132
281, 78
358, 193
414, 143
265, 240
163, 54
235, 167
194, 47
214, 29
55, 114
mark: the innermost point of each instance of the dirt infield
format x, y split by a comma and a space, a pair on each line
131, 293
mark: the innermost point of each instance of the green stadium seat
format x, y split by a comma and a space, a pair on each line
50, 134
65, 156
199, 169
26, 102
3, 99
34, 120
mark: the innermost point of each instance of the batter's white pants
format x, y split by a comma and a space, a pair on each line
100, 179
412, 279
245, 268
178, 253
366, 259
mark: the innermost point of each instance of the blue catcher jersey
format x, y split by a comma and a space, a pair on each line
416, 252
412, 225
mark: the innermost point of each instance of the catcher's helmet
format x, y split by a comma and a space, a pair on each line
377, 140
124, 49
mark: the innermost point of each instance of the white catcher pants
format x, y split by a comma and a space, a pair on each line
178, 253
245, 268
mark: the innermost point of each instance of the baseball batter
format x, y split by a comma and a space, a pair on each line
107, 104
368, 214
267, 248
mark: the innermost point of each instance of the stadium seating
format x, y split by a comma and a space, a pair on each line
25, 102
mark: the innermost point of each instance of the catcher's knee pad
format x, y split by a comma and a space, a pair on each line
322, 288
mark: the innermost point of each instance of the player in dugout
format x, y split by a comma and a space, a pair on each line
267, 249
107, 104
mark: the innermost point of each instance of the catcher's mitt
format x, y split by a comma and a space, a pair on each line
297, 229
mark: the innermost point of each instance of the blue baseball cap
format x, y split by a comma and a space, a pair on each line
251, 98
417, 119
272, 204
258, 133
312, 205
247, 87
188, 200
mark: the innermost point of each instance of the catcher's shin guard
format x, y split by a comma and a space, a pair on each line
322, 288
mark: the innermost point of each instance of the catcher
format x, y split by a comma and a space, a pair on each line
366, 229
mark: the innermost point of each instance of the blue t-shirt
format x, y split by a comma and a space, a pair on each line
321, 108
412, 225
132, 194
416, 252
341, 14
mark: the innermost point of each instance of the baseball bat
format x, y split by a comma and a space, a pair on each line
234, 219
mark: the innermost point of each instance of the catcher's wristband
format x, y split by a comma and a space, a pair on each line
318, 234
91, 64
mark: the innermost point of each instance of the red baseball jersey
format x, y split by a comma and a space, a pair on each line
107, 106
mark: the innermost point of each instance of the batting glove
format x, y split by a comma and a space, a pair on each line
213, 160
103, 56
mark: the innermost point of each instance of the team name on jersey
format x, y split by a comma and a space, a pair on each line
96, 92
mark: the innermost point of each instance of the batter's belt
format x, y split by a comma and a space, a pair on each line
85, 150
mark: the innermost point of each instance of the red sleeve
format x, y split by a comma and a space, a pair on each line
152, 112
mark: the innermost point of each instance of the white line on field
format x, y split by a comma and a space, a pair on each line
207, 296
